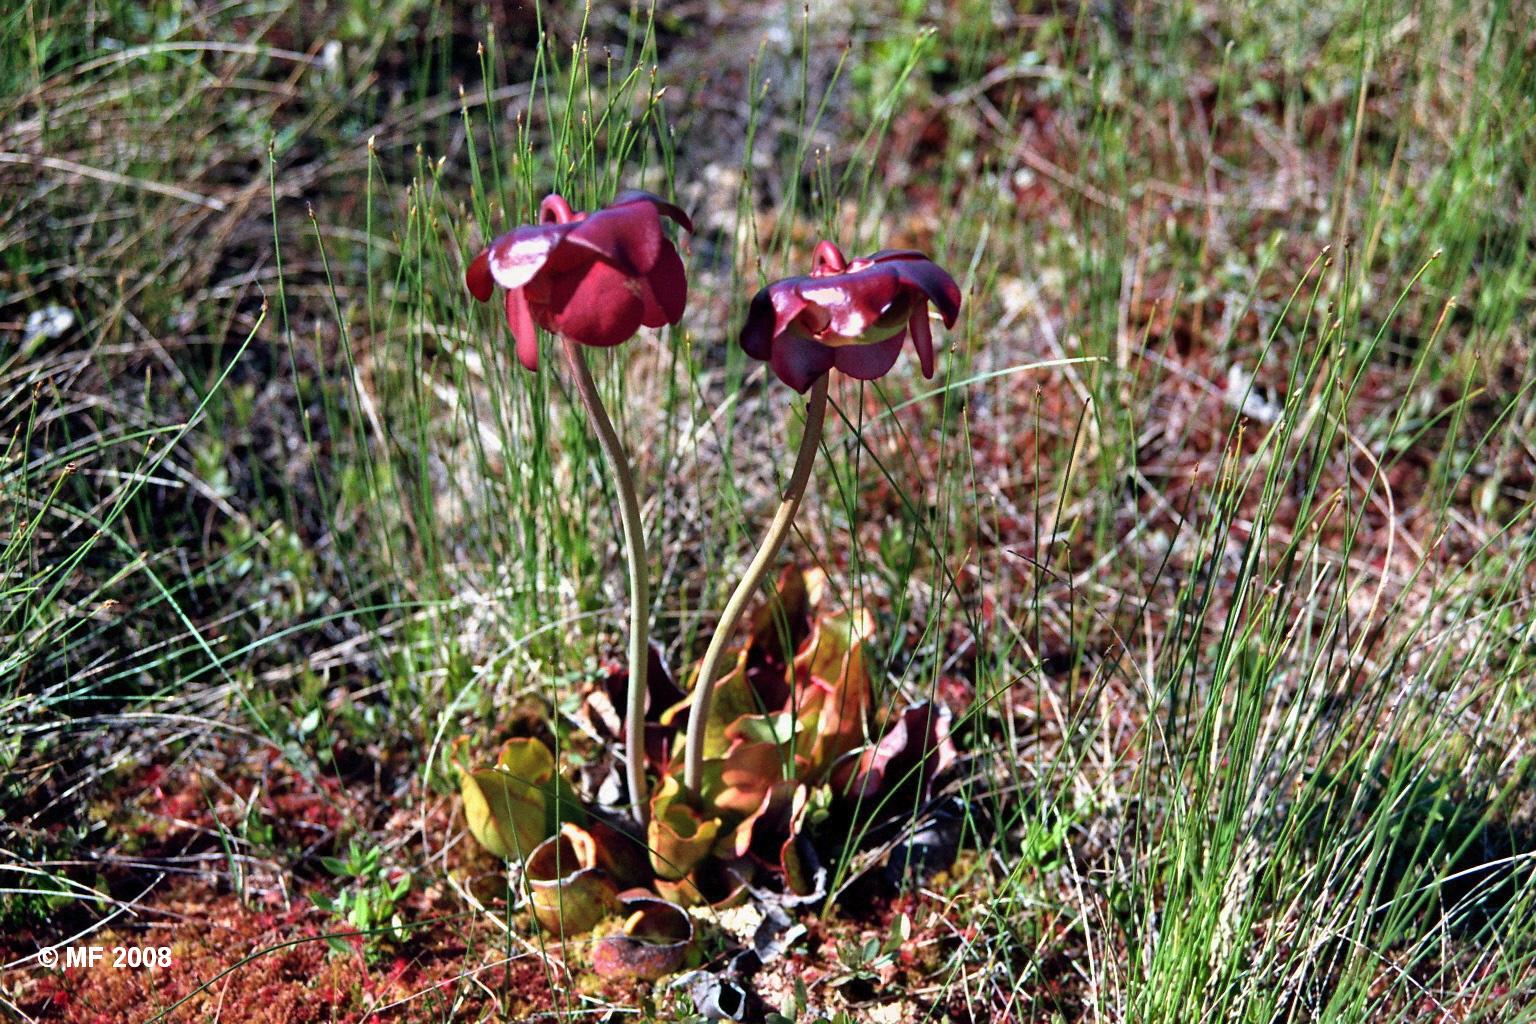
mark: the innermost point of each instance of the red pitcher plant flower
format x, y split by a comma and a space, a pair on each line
851, 316
592, 277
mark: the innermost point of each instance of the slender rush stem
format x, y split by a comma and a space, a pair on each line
639, 585
703, 686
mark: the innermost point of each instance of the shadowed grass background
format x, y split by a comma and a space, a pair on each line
1215, 526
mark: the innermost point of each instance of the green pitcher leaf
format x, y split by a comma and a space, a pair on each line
653, 943
569, 891
515, 805
746, 775
680, 836
836, 689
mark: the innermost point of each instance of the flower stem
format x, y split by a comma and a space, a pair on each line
703, 686
639, 586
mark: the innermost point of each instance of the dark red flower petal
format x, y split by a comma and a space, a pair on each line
520, 319
788, 303
922, 337
666, 209
773, 309
628, 236
799, 362
601, 307
555, 210
665, 291
478, 276
828, 259
931, 279
869, 362
518, 255
757, 333
854, 301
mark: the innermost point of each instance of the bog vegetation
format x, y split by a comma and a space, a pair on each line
1209, 541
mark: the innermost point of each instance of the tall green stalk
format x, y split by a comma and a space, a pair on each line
703, 687
639, 586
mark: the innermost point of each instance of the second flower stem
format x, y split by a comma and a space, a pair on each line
704, 684
639, 584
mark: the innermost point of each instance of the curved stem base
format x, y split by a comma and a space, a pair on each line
703, 687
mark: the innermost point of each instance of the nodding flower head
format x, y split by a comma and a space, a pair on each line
592, 277
851, 316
